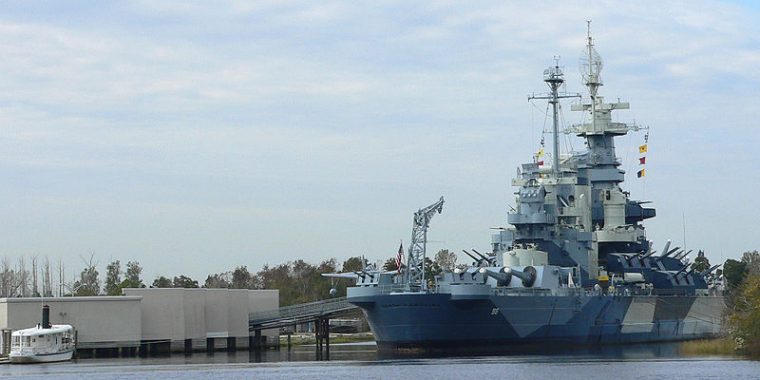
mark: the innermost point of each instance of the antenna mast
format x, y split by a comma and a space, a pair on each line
554, 78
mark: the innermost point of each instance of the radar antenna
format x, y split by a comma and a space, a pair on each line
591, 64
415, 262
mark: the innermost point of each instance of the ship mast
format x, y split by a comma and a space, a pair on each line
593, 80
554, 78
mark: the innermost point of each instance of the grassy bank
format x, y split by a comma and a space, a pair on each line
719, 346
302, 339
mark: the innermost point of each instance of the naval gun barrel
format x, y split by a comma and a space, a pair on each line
477, 260
502, 276
527, 275
665, 250
683, 254
482, 256
668, 253
712, 268
362, 273
681, 270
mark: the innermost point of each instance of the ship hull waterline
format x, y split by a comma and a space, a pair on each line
438, 323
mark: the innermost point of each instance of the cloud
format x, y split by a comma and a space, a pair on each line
145, 121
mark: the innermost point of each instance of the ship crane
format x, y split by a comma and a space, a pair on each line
414, 276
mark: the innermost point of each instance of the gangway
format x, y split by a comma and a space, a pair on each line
319, 312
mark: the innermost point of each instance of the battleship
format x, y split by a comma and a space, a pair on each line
575, 266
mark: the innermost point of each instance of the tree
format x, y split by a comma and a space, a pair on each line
162, 282
275, 278
298, 281
390, 264
88, 283
113, 278
218, 280
734, 272
35, 289
432, 269
353, 264
752, 259
701, 263
445, 259
241, 278
47, 279
745, 315
184, 282
132, 275
6, 278
22, 276
301, 277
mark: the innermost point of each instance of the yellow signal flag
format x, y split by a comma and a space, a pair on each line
540, 152
643, 148
641, 173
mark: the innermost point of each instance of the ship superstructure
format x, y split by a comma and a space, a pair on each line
575, 265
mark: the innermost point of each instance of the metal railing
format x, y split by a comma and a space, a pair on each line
300, 313
398, 288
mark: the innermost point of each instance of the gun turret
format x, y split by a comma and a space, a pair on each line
502, 276
527, 275
488, 259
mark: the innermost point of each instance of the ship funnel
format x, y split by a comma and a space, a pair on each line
45, 317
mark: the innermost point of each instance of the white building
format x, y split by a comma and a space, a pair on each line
155, 319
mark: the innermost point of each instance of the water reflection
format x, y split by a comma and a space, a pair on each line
655, 361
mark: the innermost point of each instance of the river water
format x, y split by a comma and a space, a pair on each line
361, 361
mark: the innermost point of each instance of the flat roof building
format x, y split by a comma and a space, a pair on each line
159, 319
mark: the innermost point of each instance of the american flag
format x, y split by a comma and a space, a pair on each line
399, 257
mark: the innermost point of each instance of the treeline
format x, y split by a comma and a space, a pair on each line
27, 278
298, 281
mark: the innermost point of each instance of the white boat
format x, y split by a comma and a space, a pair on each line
44, 343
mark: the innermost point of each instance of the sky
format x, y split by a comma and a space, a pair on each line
195, 137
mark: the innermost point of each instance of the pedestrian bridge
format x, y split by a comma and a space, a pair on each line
319, 312
301, 313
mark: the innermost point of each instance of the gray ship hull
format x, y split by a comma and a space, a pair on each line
436, 322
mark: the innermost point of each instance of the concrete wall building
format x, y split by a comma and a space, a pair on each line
200, 319
155, 319
99, 321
